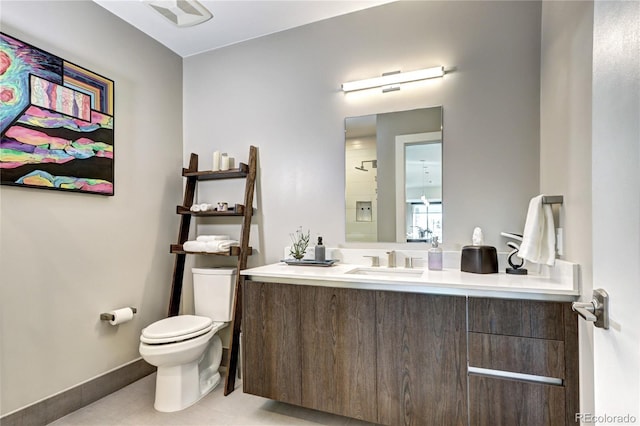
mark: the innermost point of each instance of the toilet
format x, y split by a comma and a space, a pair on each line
186, 348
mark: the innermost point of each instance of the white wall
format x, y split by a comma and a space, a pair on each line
565, 145
66, 257
282, 93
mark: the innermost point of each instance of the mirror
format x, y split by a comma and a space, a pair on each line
393, 176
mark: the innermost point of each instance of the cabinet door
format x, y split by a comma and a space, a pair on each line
338, 351
271, 341
422, 364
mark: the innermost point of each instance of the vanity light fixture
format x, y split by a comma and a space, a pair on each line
391, 80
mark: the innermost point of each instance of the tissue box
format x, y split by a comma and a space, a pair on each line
479, 260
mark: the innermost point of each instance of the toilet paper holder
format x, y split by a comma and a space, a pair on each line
105, 316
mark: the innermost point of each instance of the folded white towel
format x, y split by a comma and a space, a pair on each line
206, 238
194, 246
220, 246
539, 236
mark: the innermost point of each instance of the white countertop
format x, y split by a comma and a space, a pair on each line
560, 283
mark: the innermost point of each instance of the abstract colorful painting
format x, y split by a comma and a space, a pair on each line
56, 122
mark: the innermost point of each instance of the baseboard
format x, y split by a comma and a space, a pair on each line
51, 409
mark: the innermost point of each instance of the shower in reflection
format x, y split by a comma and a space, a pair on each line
374, 165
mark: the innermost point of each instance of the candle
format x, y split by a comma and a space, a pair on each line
216, 161
224, 162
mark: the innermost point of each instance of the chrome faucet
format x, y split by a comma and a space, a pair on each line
375, 261
391, 260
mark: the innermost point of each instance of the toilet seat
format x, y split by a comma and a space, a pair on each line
176, 329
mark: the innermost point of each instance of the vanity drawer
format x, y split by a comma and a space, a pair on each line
525, 355
524, 318
497, 402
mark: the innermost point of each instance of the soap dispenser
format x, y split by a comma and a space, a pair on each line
435, 255
320, 251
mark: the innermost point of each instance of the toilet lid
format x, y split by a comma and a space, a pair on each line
176, 328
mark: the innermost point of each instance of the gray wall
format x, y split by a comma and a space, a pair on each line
565, 144
282, 93
66, 257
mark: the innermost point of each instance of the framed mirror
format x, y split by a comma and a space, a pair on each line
393, 176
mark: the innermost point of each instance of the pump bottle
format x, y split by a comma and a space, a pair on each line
435, 255
320, 251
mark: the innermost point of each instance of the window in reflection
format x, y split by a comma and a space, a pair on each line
425, 221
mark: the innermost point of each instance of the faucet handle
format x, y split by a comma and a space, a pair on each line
391, 259
375, 260
408, 262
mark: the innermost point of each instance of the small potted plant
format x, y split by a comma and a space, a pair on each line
300, 242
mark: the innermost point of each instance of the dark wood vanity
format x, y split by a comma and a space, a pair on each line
399, 358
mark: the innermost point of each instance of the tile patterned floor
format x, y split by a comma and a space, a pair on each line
133, 405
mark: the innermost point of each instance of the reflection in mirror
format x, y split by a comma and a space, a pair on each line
393, 176
419, 187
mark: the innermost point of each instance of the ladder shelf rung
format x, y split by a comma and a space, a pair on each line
237, 210
242, 171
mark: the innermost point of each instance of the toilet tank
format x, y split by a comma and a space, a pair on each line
213, 290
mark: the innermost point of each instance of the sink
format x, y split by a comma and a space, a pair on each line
387, 272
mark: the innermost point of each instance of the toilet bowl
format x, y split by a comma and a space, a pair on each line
186, 349
187, 359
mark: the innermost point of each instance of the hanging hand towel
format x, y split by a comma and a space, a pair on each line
539, 237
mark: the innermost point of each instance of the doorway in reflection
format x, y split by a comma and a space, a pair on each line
424, 221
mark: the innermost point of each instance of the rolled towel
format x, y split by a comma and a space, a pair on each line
204, 207
206, 238
219, 246
194, 246
212, 247
539, 236
226, 244
195, 208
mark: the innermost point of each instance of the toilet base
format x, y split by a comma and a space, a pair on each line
178, 387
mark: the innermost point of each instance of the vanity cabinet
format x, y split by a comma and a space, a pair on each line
339, 351
523, 362
384, 357
422, 365
397, 358
271, 349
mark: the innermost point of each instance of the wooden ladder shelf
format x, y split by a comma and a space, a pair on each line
244, 171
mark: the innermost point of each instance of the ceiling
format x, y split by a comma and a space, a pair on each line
232, 22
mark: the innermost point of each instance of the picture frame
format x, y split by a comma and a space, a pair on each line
56, 122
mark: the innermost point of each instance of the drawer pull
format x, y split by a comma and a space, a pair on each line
513, 375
